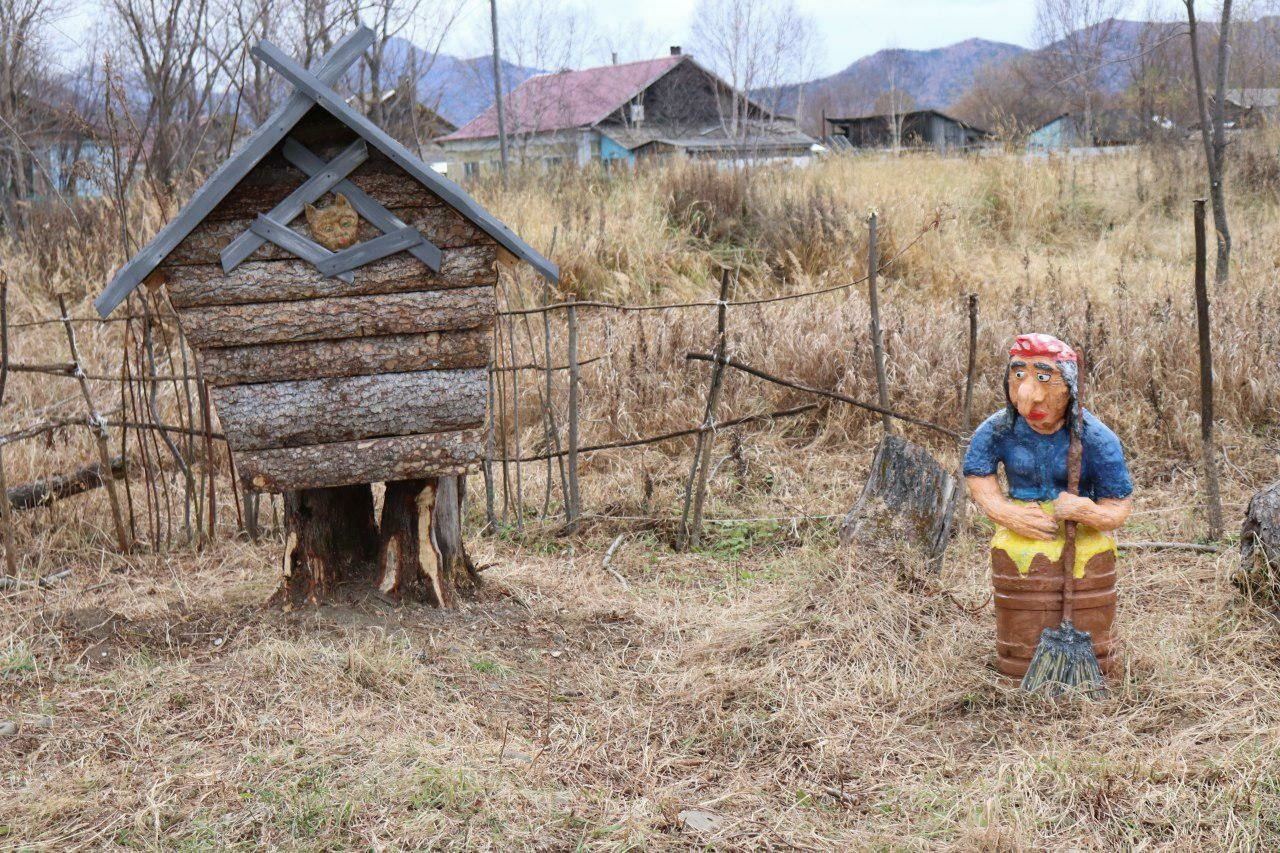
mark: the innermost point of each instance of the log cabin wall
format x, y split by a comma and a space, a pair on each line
320, 382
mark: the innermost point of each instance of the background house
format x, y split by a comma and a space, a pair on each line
1106, 129
915, 129
56, 152
1246, 108
670, 106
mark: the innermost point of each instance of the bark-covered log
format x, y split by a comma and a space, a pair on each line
346, 357
331, 540
46, 491
1259, 573
340, 317
443, 226
369, 461
323, 411
282, 281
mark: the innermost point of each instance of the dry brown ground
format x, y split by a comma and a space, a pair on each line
801, 696
796, 694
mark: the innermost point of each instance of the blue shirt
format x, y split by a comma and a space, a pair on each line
1036, 464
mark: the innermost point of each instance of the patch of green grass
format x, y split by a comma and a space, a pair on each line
451, 791
17, 659
490, 667
732, 540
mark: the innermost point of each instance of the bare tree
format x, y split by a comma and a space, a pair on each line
175, 54
1075, 36
1213, 128
1004, 99
757, 46
26, 115
541, 34
893, 102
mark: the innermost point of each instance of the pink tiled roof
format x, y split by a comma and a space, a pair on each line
567, 99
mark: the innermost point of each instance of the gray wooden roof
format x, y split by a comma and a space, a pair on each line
312, 88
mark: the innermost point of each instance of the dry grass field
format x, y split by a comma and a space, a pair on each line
769, 690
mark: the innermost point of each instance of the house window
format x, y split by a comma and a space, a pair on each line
470, 169
637, 113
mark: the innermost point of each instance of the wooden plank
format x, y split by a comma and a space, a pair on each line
292, 242
373, 460
349, 357
441, 225
371, 250
375, 212
321, 411
331, 68
340, 317
454, 195
321, 181
283, 281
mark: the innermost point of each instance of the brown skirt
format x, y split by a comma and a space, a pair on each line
1027, 604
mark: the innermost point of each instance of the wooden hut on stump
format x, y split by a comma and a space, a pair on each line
344, 345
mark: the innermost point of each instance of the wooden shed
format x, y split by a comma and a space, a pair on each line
332, 367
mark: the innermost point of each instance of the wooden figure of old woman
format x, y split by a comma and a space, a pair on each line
1030, 438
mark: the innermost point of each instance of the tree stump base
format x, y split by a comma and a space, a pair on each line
1259, 574
416, 553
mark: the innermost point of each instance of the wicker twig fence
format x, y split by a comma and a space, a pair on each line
170, 477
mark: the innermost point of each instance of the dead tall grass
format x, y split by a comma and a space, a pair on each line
789, 693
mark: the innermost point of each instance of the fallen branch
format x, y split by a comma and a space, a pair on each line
45, 582
55, 488
787, 383
608, 558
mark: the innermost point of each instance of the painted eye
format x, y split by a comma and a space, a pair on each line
1044, 377
1021, 374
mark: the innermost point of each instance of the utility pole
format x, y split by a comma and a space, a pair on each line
497, 88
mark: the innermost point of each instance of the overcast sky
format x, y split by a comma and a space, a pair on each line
847, 29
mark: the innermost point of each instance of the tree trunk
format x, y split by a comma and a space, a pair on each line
421, 555
331, 541
1258, 577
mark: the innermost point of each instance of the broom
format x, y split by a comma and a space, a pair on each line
1065, 659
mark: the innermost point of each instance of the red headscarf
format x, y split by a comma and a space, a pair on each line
1045, 346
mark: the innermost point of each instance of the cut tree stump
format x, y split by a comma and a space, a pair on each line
421, 555
908, 498
331, 540
333, 544
1259, 574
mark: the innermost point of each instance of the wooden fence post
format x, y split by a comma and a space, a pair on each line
575, 499
515, 427
972, 364
490, 495
690, 533
6, 517
98, 427
1213, 500
873, 300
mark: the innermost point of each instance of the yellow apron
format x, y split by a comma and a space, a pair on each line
1022, 550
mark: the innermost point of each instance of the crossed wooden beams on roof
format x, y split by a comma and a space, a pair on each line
312, 88
324, 177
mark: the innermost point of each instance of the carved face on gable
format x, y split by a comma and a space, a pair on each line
335, 227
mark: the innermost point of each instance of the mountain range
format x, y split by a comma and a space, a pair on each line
936, 78
461, 88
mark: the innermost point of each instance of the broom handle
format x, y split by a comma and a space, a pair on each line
1075, 454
